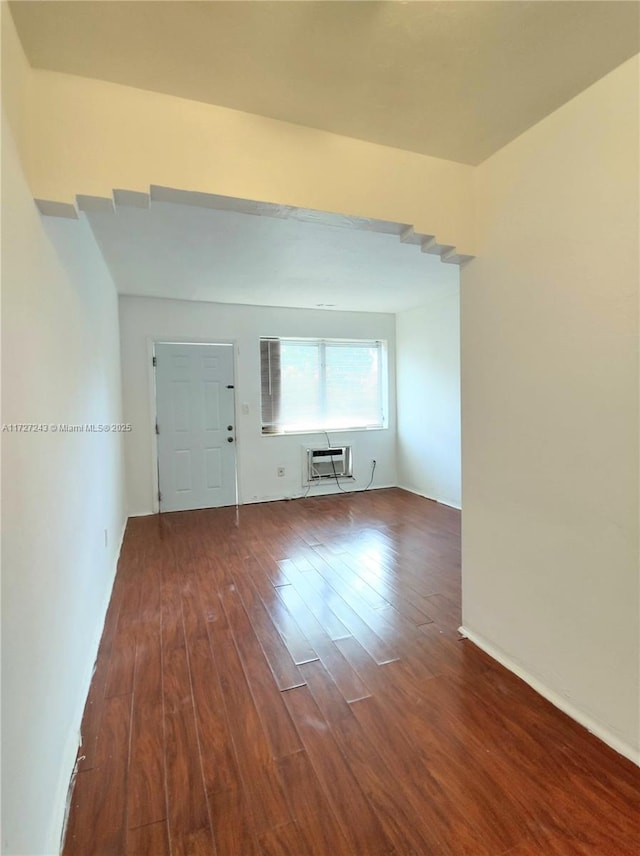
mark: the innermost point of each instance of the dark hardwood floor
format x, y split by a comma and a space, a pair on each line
286, 679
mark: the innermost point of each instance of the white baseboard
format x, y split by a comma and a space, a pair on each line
74, 741
448, 503
563, 704
326, 491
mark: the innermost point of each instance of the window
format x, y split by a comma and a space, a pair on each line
321, 384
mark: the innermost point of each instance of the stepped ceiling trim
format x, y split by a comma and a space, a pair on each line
157, 193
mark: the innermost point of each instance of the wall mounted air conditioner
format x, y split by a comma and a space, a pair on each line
331, 463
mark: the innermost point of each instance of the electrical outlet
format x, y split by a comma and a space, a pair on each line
280, 472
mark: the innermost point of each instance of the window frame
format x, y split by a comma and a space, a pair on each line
322, 342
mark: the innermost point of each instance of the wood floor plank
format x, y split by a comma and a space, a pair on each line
323, 835
284, 841
416, 762
298, 645
100, 825
311, 809
94, 707
444, 653
445, 613
361, 588
233, 824
341, 606
302, 786
81, 811
316, 604
110, 790
122, 660
187, 809
200, 603
276, 722
92, 718
379, 619
261, 782
386, 622
282, 665
345, 678
275, 571
390, 797
146, 801
245, 701
149, 840
415, 577
394, 591
219, 763
339, 783
293, 566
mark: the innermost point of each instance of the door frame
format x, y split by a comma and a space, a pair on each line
151, 342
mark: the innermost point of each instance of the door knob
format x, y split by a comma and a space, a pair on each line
229, 427
229, 439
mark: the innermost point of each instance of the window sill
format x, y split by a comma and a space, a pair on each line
323, 431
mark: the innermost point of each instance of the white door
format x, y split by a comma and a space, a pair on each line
195, 426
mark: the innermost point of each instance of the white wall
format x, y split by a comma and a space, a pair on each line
132, 138
550, 408
145, 320
428, 390
60, 492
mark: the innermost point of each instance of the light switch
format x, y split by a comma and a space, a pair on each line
245, 409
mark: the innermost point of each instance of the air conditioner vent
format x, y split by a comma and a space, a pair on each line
331, 463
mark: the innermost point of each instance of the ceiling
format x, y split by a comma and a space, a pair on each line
191, 253
455, 80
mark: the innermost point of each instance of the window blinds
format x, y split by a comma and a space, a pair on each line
320, 384
270, 384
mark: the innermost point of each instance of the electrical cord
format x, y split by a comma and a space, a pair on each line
333, 465
373, 469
